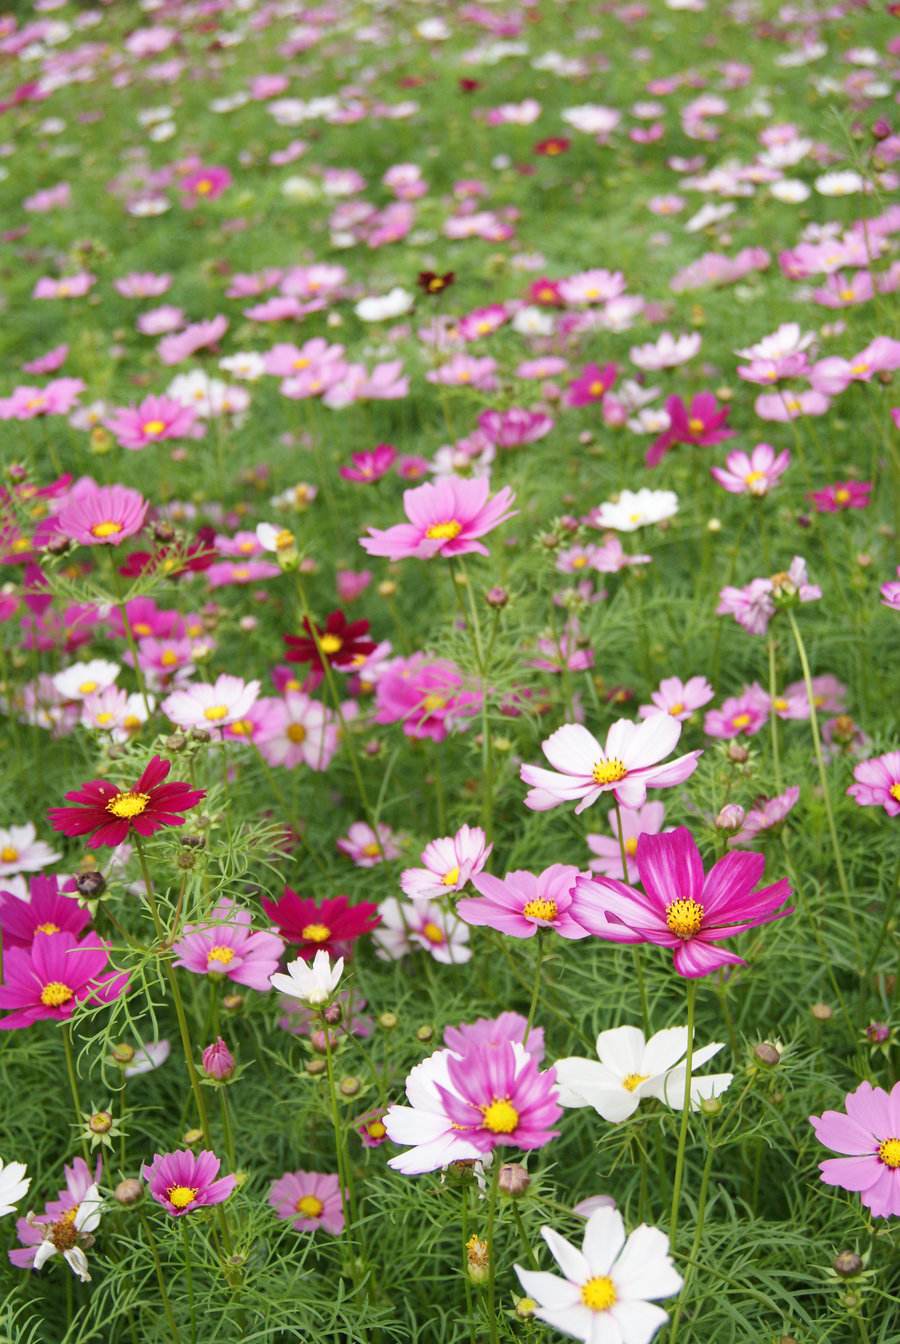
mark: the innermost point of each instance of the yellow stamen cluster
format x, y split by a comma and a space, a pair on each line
539, 909
632, 1081
126, 805
107, 529
181, 1195
310, 1206
55, 994
609, 772
599, 1293
222, 954
889, 1153
316, 933
446, 531
684, 918
215, 712
330, 644
451, 877
501, 1117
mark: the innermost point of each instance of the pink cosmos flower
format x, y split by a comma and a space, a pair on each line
753, 474
636, 821
69, 287
309, 1200
702, 424
446, 518
741, 715
27, 403
869, 1133
514, 427
211, 705
49, 363
462, 1107
48, 980
466, 371
766, 814
878, 783
143, 285
32, 1230
155, 419
46, 913
178, 347
678, 698
365, 848
626, 766
227, 946
841, 496
524, 902
204, 184
591, 385
370, 465
102, 515
421, 925
790, 405
296, 730
183, 1181
426, 695
890, 593
493, 1032
681, 907
754, 606
482, 321
450, 862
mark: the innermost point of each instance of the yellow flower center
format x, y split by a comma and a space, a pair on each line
433, 933
243, 728
631, 846
107, 529
316, 933
740, 720
215, 712
220, 953
579, 561
240, 572
142, 629
677, 708
450, 878
331, 643
842, 496
861, 367
296, 732
309, 1206
129, 723
847, 294
444, 531
284, 540
684, 918
376, 1130
432, 703
154, 426
895, 792
599, 1293
779, 703
596, 389
539, 909
55, 994
203, 187
501, 1117
129, 804
168, 657
372, 850
301, 363
632, 1081
753, 476
609, 772
48, 928
8, 854
87, 687
792, 405
181, 1195
889, 1153
21, 544
695, 425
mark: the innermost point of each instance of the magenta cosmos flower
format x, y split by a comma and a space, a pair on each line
870, 1134
493, 1032
227, 946
47, 911
108, 814
445, 518
607, 851
102, 515
524, 902
182, 1182
626, 766
681, 907
54, 975
878, 783
155, 419
449, 863
309, 1200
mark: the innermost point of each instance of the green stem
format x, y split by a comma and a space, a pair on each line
189, 1272
823, 779
492, 1251
464, 1226
685, 1112
535, 993
461, 580
638, 961
227, 1130
695, 1244
338, 1129
773, 717
167, 1305
527, 1247
73, 1085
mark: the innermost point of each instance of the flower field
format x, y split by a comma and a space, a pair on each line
449, 621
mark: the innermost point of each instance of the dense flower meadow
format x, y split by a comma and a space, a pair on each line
449, 620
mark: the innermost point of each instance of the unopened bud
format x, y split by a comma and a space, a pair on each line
90, 885
731, 817
821, 1012
767, 1053
878, 1032
496, 597
737, 753
387, 588
710, 1106
129, 1191
349, 1086
175, 742
185, 860
424, 1033
848, 1264
315, 1066
193, 1136
218, 1061
163, 532
525, 1308
513, 1179
233, 1002
388, 1021
123, 1053
58, 545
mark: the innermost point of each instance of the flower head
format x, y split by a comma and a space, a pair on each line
312, 984
340, 642
22, 852
878, 783
102, 515
523, 902
109, 814
14, 1184
52, 977
183, 1181
309, 1200
226, 945
636, 821
332, 926
211, 705
449, 864
445, 518
869, 1133
46, 913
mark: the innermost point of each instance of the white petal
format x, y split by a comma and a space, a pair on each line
571, 1261
573, 750
664, 1049
604, 1237
638, 1321
621, 1049
548, 1290
644, 1269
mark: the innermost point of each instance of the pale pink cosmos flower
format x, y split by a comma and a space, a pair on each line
309, 1200
755, 605
449, 863
27, 403
446, 518
741, 715
22, 852
296, 731
211, 706
514, 427
408, 926
678, 698
160, 321
69, 287
790, 405
143, 285
636, 821
890, 593
767, 813
626, 766
869, 1133
152, 421
755, 473
877, 783
48, 363
523, 902
177, 348
101, 515
226, 945
466, 371
366, 848
494, 1032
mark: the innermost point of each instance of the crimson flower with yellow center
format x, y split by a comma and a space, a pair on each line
339, 642
108, 813
330, 926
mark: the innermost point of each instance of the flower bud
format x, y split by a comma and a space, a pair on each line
847, 1265
233, 1002
90, 885
163, 531
730, 818
101, 1122
821, 1012
496, 597
123, 1053
175, 742
424, 1033
387, 588
129, 1191
513, 1179
218, 1061
881, 129
388, 1021
525, 1308
767, 1053
349, 1086
315, 1066
58, 545
332, 1014
193, 1136
878, 1032
737, 753
711, 1106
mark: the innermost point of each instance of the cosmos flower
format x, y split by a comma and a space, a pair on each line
633, 509
446, 518
608, 1288
740, 715
681, 907
767, 813
69, 1237
22, 852
183, 1181
102, 515
14, 1184
407, 927
295, 730
754, 474
211, 705
631, 1069
370, 465
426, 695
366, 848
841, 496
678, 698
449, 864
48, 911
226, 945
155, 419
48, 980
702, 423
626, 766
523, 902
869, 1132
493, 1032
340, 641
309, 1200
331, 926
108, 814
877, 783
312, 984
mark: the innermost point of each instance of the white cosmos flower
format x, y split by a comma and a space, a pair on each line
22, 852
608, 1288
247, 365
787, 340
13, 1185
630, 1069
790, 191
381, 307
84, 679
147, 1057
666, 351
59, 1235
311, 984
708, 214
846, 183
634, 509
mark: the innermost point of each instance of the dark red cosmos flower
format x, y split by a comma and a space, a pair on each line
328, 927
108, 814
552, 146
199, 555
469, 85
342, 642
434, 283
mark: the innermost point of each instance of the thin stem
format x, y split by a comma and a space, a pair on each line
535, 993
227, 1131
523, 1237
773, 717
73, 1084
638, 961
695, 1244
460, 580
167, 1305
492, 1252
464, 1226
823, 779
337, 1127
189, 1272
685, 1112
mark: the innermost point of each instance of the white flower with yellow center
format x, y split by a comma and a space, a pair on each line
609, 1287
21, 852
635, 508
313, 984
84, 679
13, 1185
63, 1236
629, 1069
